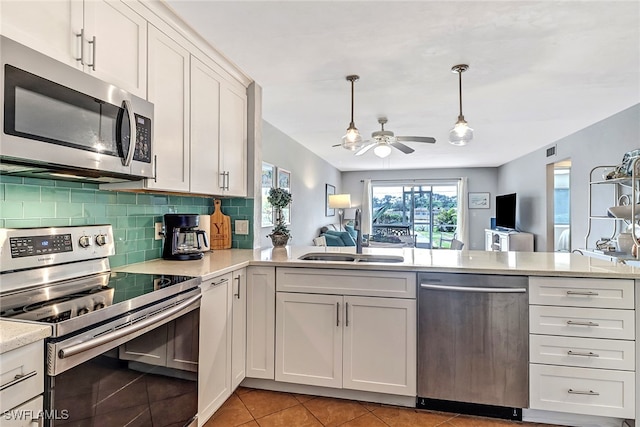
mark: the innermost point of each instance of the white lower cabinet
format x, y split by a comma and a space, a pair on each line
239, 328
261, 321
599, 392
22, 379
583, 346
214, 379
344, 341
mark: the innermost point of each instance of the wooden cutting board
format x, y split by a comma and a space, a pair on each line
220, 237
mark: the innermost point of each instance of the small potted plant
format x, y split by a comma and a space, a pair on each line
279, 198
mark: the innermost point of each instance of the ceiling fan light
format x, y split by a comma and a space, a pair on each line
382, 150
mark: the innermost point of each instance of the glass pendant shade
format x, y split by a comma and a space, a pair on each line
352, 140
382, 150
461, 133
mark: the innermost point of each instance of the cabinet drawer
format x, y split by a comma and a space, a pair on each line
581, 292
582, 391
392, 284
21, 375
582, 322
25, 415
582, 352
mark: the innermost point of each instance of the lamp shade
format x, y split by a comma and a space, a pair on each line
339, 201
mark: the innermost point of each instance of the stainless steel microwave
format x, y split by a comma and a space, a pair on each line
58, 121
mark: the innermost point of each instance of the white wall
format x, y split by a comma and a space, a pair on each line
603, 143
479, 179
309, 174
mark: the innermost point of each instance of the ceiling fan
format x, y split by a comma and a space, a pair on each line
382, 141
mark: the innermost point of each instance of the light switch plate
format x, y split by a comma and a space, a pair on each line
242, 226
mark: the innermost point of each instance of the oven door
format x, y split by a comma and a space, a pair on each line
139, 370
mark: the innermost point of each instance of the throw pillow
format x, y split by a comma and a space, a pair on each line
352, 232
346, 238
332, 240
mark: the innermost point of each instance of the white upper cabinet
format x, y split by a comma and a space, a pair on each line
233, 140
168, 74
104, 38
205, 128
117, 41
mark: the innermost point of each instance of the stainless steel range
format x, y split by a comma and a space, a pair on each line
107, 358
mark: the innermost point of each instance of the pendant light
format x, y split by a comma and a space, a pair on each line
461, 133
352, 140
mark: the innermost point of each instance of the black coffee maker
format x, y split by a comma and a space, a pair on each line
181, 237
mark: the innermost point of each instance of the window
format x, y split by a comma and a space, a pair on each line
427, 210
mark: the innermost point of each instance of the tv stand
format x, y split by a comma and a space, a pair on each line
503, 240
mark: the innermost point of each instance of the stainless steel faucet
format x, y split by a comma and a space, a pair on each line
358, 227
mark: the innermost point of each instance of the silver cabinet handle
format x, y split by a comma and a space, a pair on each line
18, 379
237, 295
589, 392
81, 36
346, 318
580, 353
337, 314
123, 332
589, 323
218, 283
473, 289
585, 293
93, 57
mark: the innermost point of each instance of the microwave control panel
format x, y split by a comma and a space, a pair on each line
143, 139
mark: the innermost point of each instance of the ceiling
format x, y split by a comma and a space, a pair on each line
538, 70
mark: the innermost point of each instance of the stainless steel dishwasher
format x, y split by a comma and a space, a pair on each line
473, 344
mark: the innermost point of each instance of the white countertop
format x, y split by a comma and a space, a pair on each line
521, 263
18, 334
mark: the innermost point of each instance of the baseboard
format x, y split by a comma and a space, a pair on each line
566, 419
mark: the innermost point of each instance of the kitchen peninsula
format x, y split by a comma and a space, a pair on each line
560, 285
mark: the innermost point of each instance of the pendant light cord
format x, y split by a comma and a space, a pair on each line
460, 92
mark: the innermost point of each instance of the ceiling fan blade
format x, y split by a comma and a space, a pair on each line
366, 148
427, 139
404, 148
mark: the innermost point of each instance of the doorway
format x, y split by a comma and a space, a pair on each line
560, 206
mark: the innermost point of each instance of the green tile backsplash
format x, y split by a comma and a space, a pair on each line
29, 202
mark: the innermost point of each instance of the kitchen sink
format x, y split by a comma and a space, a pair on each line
324, 256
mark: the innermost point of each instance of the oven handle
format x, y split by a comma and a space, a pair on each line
72, 350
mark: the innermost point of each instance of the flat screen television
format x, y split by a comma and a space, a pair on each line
506, 211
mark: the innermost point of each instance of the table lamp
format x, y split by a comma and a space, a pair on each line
340, 202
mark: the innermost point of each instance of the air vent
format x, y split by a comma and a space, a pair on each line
551, 151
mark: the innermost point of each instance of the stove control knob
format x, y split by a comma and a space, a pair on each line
98, 306
81, 311
84, 242
101, 239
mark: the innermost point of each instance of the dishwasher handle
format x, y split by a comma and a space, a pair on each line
473, 289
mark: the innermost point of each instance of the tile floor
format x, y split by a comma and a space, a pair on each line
262, 408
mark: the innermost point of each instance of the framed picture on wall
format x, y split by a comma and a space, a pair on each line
268, 181
284, 181
479, 200
329, 191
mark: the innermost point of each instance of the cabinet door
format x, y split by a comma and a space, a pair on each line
309, 339
239, 328
182, 342
261, 312
168, 72
150, 348
214, 372
233, 140
29, 414
120, 49
205, 96
47, 26
380, 345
